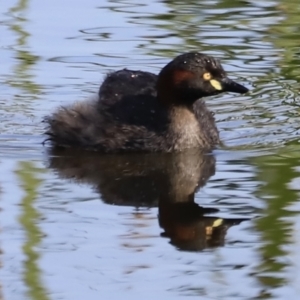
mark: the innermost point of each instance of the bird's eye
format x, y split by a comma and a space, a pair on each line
207, 76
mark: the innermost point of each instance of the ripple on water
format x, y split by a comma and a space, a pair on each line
220, 226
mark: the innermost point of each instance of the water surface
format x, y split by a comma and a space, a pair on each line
195, 225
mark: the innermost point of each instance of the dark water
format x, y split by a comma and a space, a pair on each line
210, 226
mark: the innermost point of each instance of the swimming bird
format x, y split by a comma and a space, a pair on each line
137, 111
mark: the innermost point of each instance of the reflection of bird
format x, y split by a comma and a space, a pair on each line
137, 179
139, 111
168, 181
190, 229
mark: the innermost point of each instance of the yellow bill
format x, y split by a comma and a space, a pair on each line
216, 84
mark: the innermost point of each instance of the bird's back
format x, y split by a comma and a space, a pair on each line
125, 116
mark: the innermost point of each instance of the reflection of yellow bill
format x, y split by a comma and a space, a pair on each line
216, 84
217, 223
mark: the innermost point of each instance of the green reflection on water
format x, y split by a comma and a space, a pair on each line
22, 77
29, 219
285, 35
185, 21
276, 224
198, 24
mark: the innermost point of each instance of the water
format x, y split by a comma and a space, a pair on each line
79, 226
